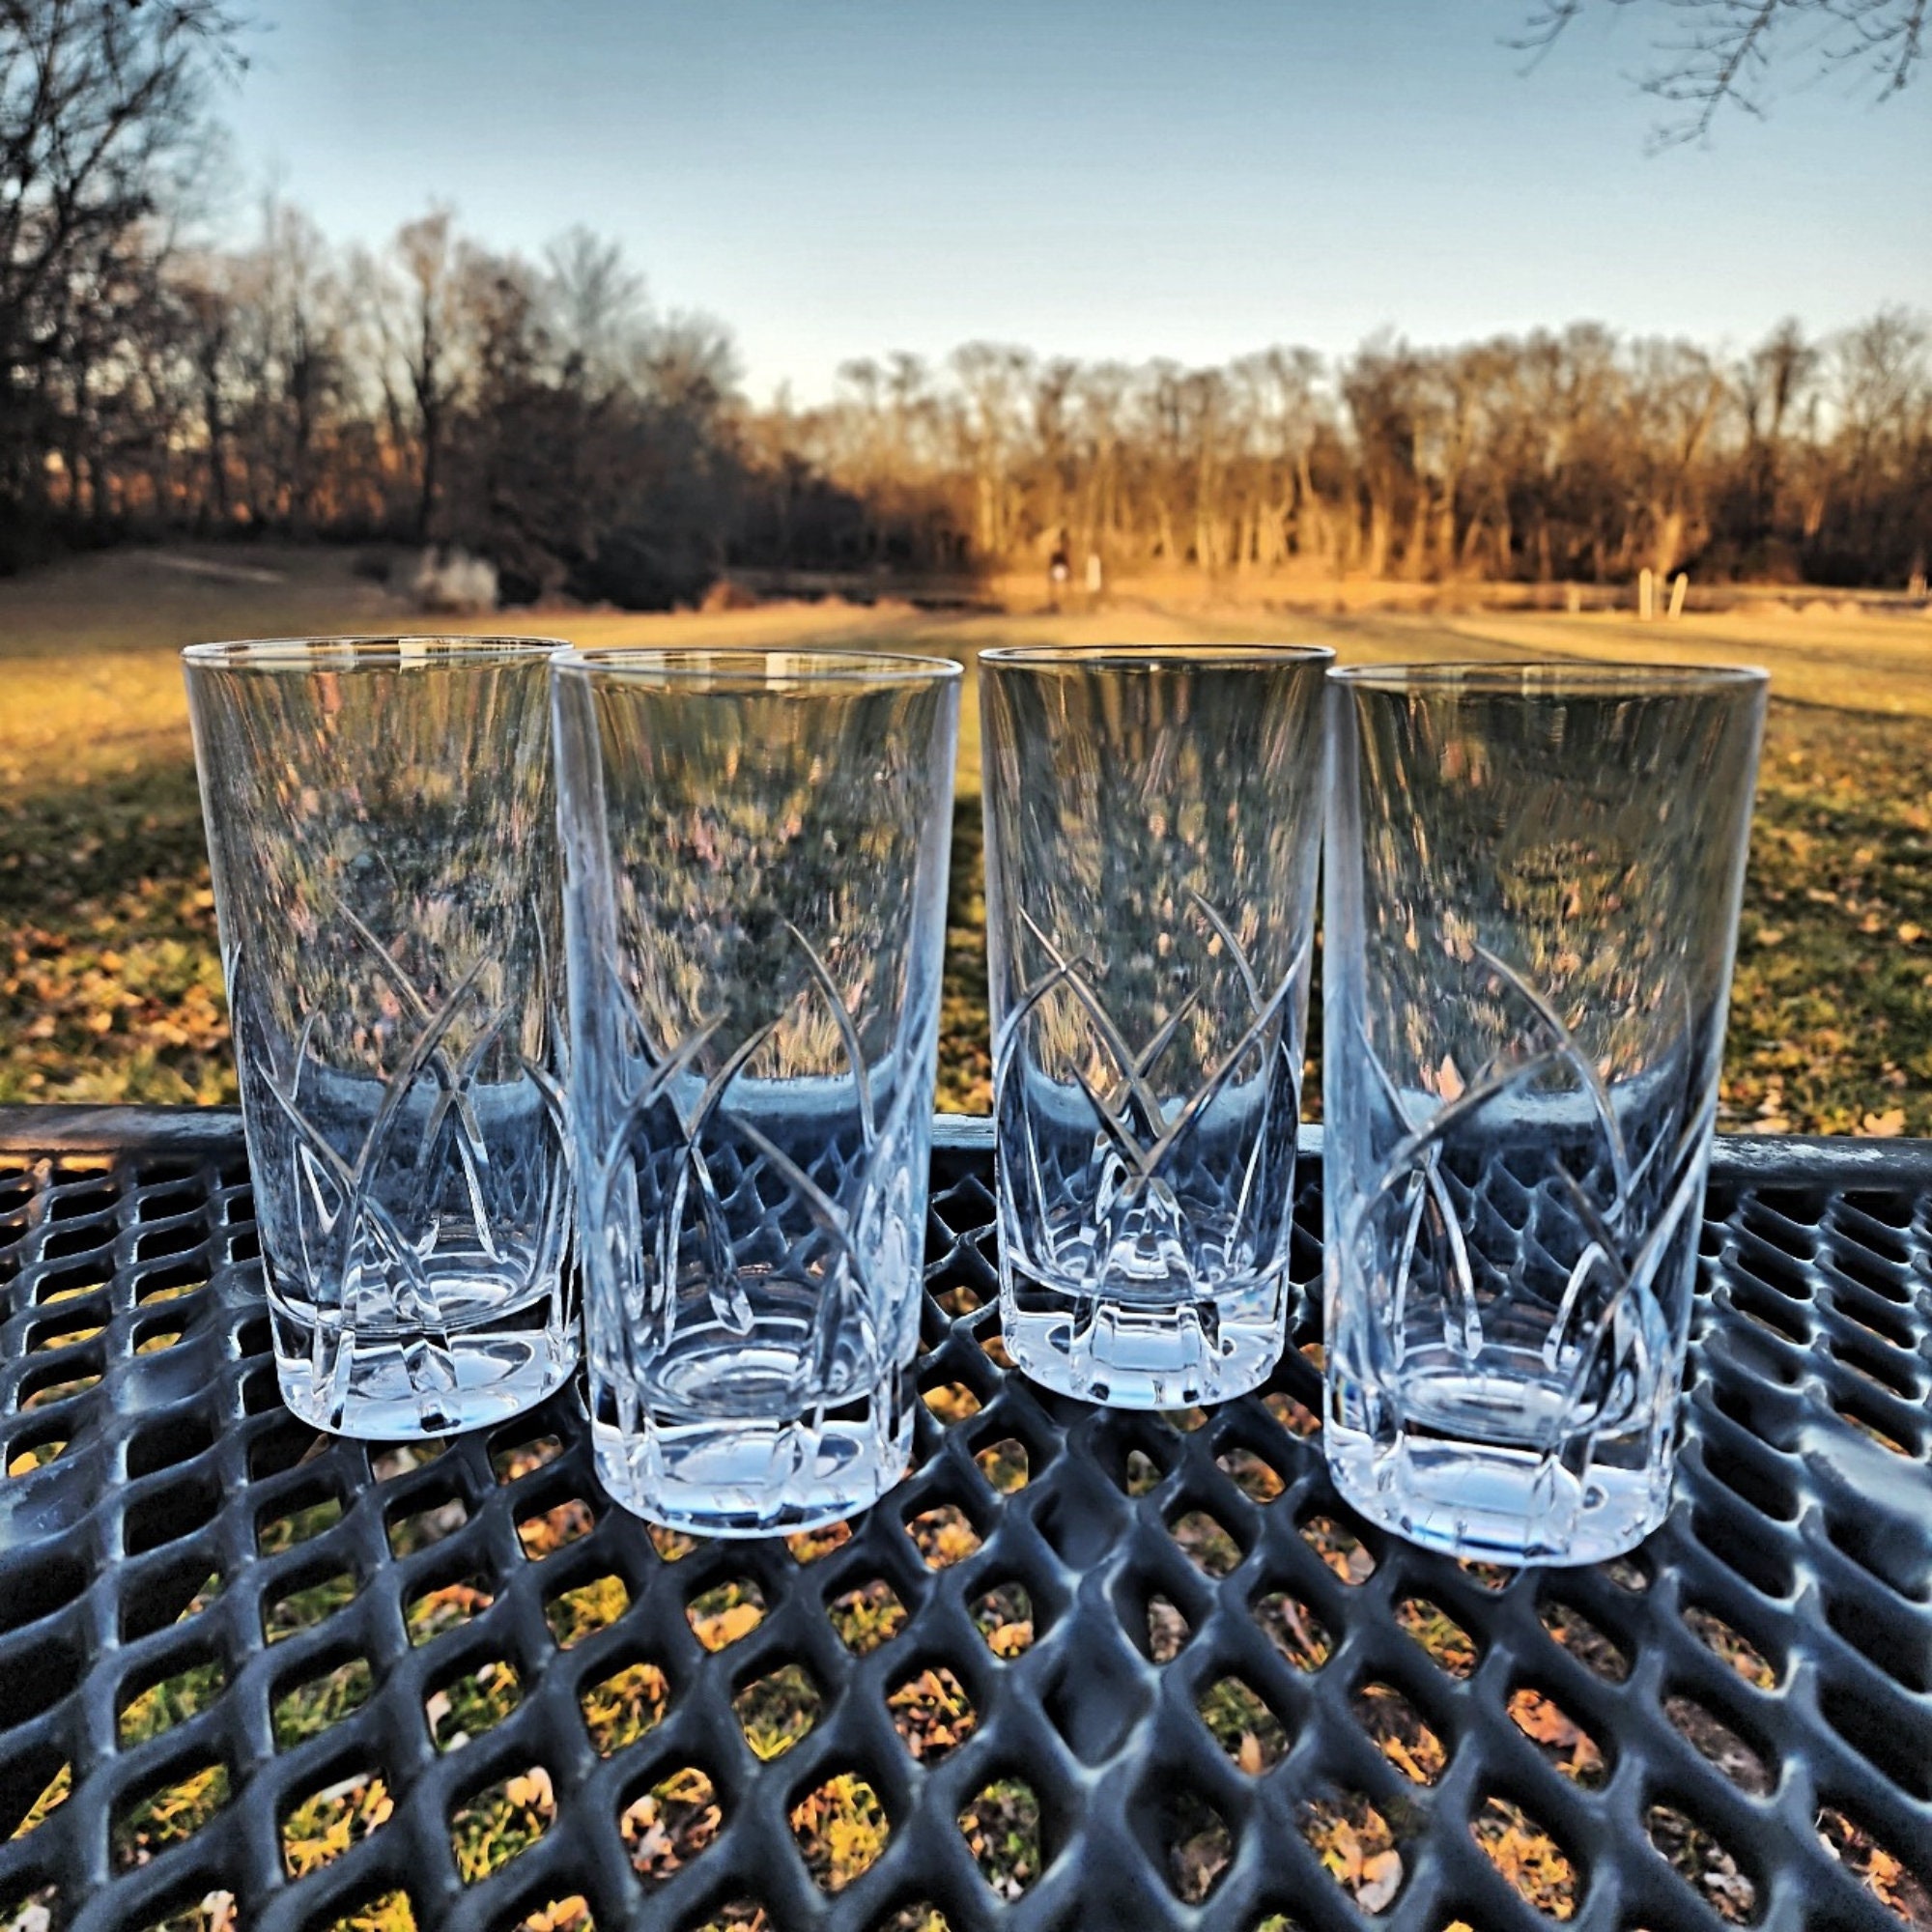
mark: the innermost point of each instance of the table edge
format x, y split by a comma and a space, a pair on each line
1761, 1160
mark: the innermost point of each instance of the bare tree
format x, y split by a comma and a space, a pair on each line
99, 100
596, 305
205, 286
993, 378
1282, 409
1382, 384
426, 339
1718, 54
688, 362
1100, 401
294, 358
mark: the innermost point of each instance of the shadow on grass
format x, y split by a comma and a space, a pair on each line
110, 987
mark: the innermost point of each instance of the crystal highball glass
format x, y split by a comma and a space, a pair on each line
381, 834
1153, 828
1533, 877
755, 878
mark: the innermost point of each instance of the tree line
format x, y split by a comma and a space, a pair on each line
1561, 454
546, 415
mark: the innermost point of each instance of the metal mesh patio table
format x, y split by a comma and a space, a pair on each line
1180, 1685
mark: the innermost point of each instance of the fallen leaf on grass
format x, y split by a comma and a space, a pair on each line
533, 1790
727, 1625
1381, 1880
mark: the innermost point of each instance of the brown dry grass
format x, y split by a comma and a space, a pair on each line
107, 980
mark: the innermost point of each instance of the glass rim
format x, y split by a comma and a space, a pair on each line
725, 669
371, 651
1153, 657
1551, 677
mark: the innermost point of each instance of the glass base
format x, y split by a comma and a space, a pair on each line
738, 1475
1141, 1354
393, 1387
1495, 1504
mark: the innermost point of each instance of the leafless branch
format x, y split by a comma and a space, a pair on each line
1887, 36
1724, 49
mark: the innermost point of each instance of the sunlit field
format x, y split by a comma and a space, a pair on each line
109, 988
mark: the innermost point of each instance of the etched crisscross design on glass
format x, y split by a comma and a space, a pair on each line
756, 849
382, 839
1155, 1192
378, 1218
1533, 889
1153, 821
714, 1186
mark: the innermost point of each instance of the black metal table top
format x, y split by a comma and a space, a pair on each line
1082, 1669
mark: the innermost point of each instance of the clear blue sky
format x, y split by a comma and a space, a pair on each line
1125, 178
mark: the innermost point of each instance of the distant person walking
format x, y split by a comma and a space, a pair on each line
1058, 572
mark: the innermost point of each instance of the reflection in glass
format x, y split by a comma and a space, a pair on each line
1533, 877
1152, 825
755, 854
381, 834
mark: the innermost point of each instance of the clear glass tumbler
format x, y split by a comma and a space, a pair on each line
756, 847
1533, 876
381, 830
1153, 828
